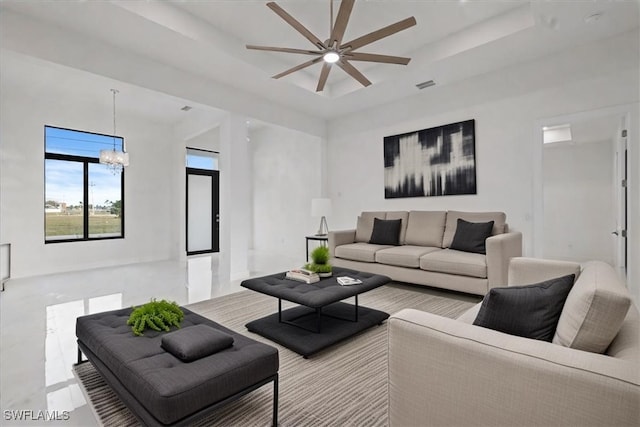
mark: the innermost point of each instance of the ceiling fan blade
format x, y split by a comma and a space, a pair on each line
284, 49
298, 67
379, 34
341, 22
372, 57
351, 70
324, 74
297, 25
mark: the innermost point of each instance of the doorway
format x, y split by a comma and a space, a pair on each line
202, 202
583, 197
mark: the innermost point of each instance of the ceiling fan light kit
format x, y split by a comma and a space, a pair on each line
331, 57
334, 50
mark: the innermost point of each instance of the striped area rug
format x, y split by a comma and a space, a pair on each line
344, 385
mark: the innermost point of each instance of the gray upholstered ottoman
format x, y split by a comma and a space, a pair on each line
161, 389
320, 320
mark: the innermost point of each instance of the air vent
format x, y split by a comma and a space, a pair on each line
425, 84
186, 108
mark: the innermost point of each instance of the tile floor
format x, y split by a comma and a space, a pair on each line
37, 327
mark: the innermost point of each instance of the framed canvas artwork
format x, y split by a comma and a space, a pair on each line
439, 161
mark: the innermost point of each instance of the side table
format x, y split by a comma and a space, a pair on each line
322, 238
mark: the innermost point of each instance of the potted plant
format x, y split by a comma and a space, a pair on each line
156, 315
320, 262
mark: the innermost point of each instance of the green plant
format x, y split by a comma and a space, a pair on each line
320, 255
318, 268
156, 315
320, 260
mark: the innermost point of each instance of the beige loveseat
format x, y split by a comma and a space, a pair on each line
423, 255
446, 372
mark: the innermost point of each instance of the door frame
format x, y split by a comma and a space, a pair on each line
622, 111
215, 209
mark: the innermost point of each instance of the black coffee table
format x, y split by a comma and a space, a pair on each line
321, 319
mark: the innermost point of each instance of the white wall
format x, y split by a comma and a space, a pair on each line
151, 184
579, 197
505, 114
504, 149
286, 176
208, 140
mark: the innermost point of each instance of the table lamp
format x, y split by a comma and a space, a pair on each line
321, 208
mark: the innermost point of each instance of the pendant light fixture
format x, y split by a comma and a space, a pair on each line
116, 160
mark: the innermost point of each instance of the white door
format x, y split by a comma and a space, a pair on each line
582, 198
199, 213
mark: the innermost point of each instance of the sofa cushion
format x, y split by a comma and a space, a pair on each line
455, 262
195, 342
499, 219
530, 311
364, 252
425, 228
403, 256
364, 226
471, 236
523, 270
594, 311
386, 232
404, 216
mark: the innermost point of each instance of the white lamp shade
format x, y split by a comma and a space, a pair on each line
320, 207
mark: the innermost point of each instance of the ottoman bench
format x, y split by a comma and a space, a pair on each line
160, 388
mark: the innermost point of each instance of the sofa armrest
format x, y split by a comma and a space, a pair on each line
340, 237
500, 249
453, 373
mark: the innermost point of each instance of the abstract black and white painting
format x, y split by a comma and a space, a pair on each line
439, 161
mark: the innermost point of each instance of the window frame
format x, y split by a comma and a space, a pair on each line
85, 190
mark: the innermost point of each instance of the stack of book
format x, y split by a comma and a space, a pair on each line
303, 275
347, 281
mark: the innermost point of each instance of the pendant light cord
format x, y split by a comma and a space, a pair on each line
114, 91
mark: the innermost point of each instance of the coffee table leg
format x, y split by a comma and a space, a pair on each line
290, 321
318, 318
356, 308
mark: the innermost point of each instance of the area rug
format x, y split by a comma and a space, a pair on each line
343, 385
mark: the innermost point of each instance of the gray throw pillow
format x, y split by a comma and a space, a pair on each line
471, 236
386, 232
530, 311
195, 342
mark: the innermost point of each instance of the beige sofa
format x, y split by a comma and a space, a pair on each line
423, 255
446, 372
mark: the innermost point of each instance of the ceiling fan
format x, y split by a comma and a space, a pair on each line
334, 50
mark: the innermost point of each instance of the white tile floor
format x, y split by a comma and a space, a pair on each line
37, 326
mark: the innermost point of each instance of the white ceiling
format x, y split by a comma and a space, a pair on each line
206, 39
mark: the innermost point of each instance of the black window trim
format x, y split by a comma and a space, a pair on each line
85, 192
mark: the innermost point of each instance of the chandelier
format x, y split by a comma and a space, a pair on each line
115, 160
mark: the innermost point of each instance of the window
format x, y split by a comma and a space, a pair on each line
83, 198
202, 159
